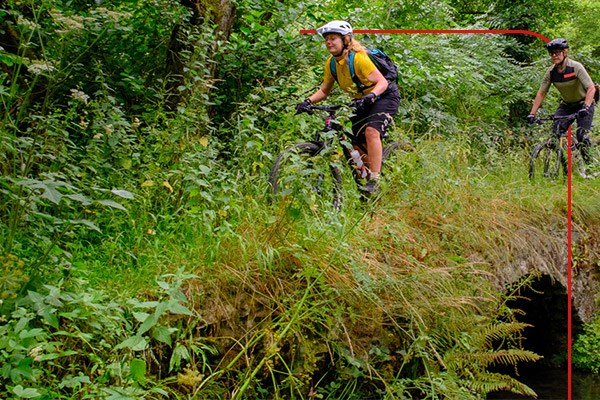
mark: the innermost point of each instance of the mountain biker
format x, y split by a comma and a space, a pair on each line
576, 90
374, 106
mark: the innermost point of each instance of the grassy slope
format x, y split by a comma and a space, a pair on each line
406, 276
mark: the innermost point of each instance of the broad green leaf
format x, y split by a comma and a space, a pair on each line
123, 193
112, 204
137, 370
36, 298
148, 323
26, 393
74, 381
10, 59
135, 343
24, 334
48, 186
180, 353
164, 285
140, 316
22, 324
79, 198
50, 317
176, 308
162, 334
87, 223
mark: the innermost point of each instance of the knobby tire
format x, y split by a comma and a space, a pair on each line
547, 160
311, 149
394, 147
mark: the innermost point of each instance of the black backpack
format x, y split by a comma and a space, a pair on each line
382, 61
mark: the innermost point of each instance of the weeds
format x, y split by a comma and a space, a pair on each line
140, 255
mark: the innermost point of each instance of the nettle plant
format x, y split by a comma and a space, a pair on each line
66, 128
60, 342
586, 349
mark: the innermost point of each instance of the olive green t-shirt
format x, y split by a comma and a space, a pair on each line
572, 83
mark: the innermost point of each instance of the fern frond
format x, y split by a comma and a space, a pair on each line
499, 357
488, 382
499, 332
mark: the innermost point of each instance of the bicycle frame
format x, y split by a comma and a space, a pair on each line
331, 125
558, 141
316, 147
556, 131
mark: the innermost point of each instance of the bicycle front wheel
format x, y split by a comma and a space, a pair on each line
302, 174
546, 162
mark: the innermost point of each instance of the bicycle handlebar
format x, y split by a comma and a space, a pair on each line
540, 120
330, 109
327, 108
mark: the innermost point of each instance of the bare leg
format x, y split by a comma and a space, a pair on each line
374, 148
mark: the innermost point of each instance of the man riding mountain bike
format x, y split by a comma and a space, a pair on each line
576, 90
375, 102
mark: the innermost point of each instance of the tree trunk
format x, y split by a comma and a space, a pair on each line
219, 12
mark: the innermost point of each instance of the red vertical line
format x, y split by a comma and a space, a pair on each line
569, 260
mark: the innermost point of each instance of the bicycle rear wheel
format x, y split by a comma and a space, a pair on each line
588, 167
395, 147
547, 160
301, 177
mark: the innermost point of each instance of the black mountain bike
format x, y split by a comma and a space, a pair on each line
314, 169
549, 158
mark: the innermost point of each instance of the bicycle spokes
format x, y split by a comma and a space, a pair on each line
547, 161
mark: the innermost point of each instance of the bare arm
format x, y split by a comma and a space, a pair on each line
381, 84
322, 93
537, 103
589, 96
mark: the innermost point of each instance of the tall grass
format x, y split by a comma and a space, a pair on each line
143, 256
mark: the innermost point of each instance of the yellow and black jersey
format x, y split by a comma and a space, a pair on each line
363, 66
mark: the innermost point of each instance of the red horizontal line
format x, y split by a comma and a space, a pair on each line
442, 31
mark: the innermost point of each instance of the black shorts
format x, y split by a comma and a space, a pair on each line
584, 124
378, 116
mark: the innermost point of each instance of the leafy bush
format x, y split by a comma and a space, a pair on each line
586, 348
61, 343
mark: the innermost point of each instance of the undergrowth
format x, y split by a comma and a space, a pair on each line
393, 299
142, 255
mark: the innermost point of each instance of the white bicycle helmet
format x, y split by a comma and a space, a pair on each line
341, 27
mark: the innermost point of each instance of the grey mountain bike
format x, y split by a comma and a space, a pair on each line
314, 169
549, 159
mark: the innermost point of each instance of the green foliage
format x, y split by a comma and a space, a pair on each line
260, 53
586, 348
118, 168
579, 29
534, 16
60, 343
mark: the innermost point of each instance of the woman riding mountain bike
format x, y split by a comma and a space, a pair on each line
576, 90
376, 101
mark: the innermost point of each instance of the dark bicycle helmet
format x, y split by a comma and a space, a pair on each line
557, 44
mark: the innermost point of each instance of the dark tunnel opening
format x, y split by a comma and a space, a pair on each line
544, 305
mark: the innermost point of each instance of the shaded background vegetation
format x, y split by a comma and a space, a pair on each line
141, 257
